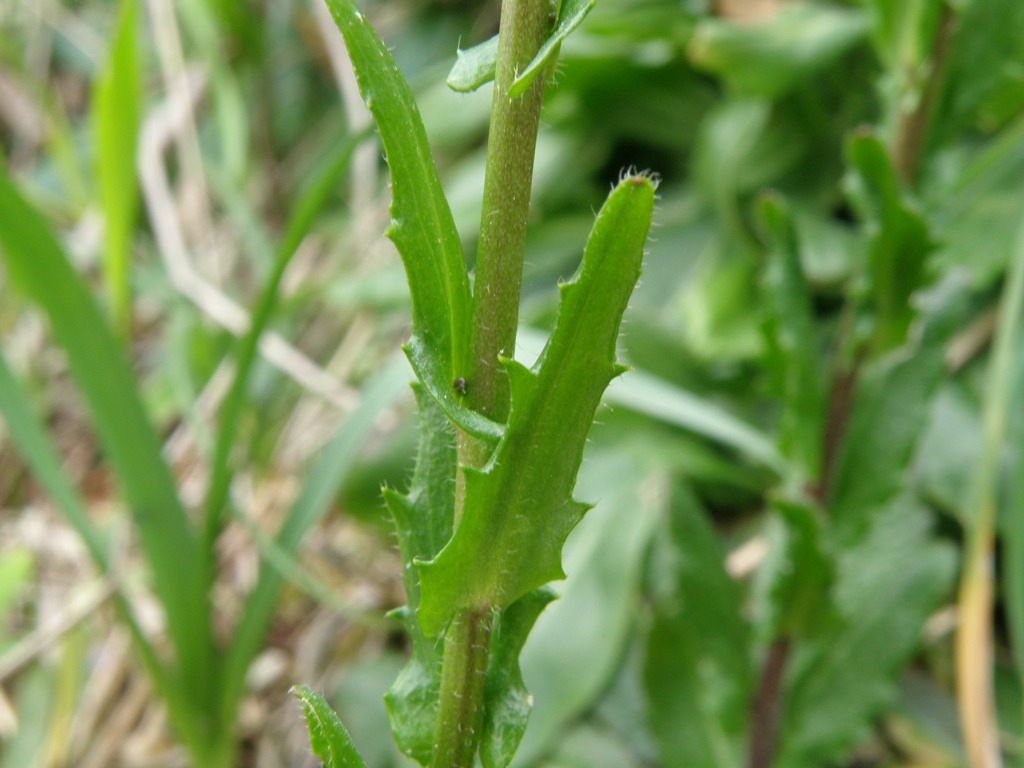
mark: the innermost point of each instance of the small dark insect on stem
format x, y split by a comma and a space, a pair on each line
459, 385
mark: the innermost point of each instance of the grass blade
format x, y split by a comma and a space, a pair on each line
37, 264
116, 96
30, 438
318, 491
974, 636
308, 205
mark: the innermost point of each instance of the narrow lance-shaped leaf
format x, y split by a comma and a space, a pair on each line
519, 508
421, 227
792, 585
793, 343
900, 241
698, 672
36, 262
845, 674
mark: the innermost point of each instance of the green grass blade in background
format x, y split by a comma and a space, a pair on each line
318, 492
645, 393
36, 448
36, 263
697, 671
422, 226
116, 99
648, 394
974, 646
1013, 536
309, 204
32, 442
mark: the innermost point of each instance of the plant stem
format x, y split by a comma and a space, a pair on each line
766, 713
510, 152
466, 647
511, 147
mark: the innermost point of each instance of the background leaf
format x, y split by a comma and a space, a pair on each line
886, 588
770, 58
697, 672
598, 603
900, 241
793, 343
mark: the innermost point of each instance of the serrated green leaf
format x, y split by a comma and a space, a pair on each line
698, 672
424, 516
794, 579
518, 509
507, 703
899, 238
423, 522
793, 343
771, 58
475, 66
422, 227
841, 680
981, 77
327, 736
884, 425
